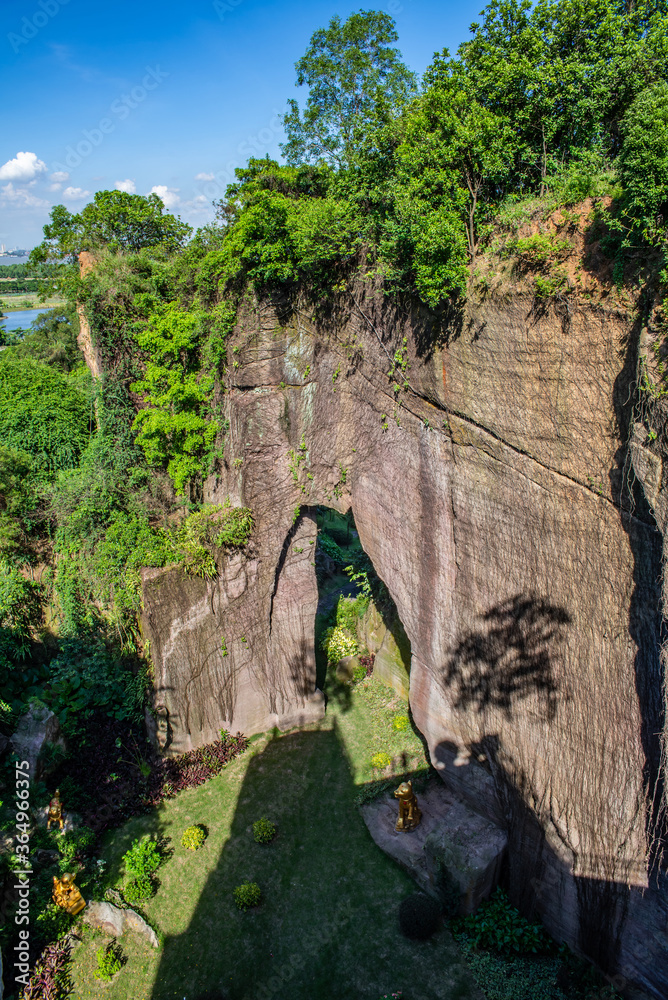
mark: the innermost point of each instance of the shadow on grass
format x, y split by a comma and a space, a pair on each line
327, 924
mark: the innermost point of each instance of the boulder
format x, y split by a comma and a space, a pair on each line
36, 727
454, 854
114, 921
346, 667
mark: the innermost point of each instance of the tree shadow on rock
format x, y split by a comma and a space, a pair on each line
509, 657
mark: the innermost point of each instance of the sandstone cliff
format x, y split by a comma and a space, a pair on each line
492, 497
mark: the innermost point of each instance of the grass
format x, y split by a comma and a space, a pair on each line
327, 925
27, 300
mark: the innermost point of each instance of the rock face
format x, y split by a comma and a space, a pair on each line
37, 727
112, 920
490, 498
218, 662
388, 641
454, 854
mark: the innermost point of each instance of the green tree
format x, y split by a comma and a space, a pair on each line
52, 338
16, 501
44, 412
356, 82
455, 153
643, 159
114, 220
173, 428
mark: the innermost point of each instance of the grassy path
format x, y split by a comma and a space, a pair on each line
327, 927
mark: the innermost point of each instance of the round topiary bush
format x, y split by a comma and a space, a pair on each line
419, 916
193, 838
264, 831
246, 895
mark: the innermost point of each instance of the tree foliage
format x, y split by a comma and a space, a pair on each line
172, 427
44, 412
643, 158
116, 221
356, 81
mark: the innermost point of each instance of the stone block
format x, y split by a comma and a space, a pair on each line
454, 854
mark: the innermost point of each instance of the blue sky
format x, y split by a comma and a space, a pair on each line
167, 96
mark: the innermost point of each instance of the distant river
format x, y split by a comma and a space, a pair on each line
6, 261
21, 318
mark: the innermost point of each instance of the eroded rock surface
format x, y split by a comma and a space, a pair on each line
236, 652
489, 497
36, 728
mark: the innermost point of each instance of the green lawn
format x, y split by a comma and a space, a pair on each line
327, 927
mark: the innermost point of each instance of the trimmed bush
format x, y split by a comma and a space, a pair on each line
138, 890
264, 831
246, 895
143, 859
193, 838
419, 916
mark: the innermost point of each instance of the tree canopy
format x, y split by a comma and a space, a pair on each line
355, 81
115, 221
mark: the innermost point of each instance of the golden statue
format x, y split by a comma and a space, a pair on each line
409, 811
55, 814
66, 895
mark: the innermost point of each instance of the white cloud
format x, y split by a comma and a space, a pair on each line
55, 187
59, 177
23, 167
204, 177
22, 197
75, 194
170, 196
128, 186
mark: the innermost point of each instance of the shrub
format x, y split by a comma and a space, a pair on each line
264, 831
539, 251
246, 895
75, 842
498, 926
360, 672
109, 962
419, 916
380, 760
143, 859
193, 838
52, 923
50, 979
138, 890
338, 642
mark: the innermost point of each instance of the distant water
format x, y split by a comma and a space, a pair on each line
21, 318
4, 261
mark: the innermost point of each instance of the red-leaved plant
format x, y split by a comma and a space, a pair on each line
50, 979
